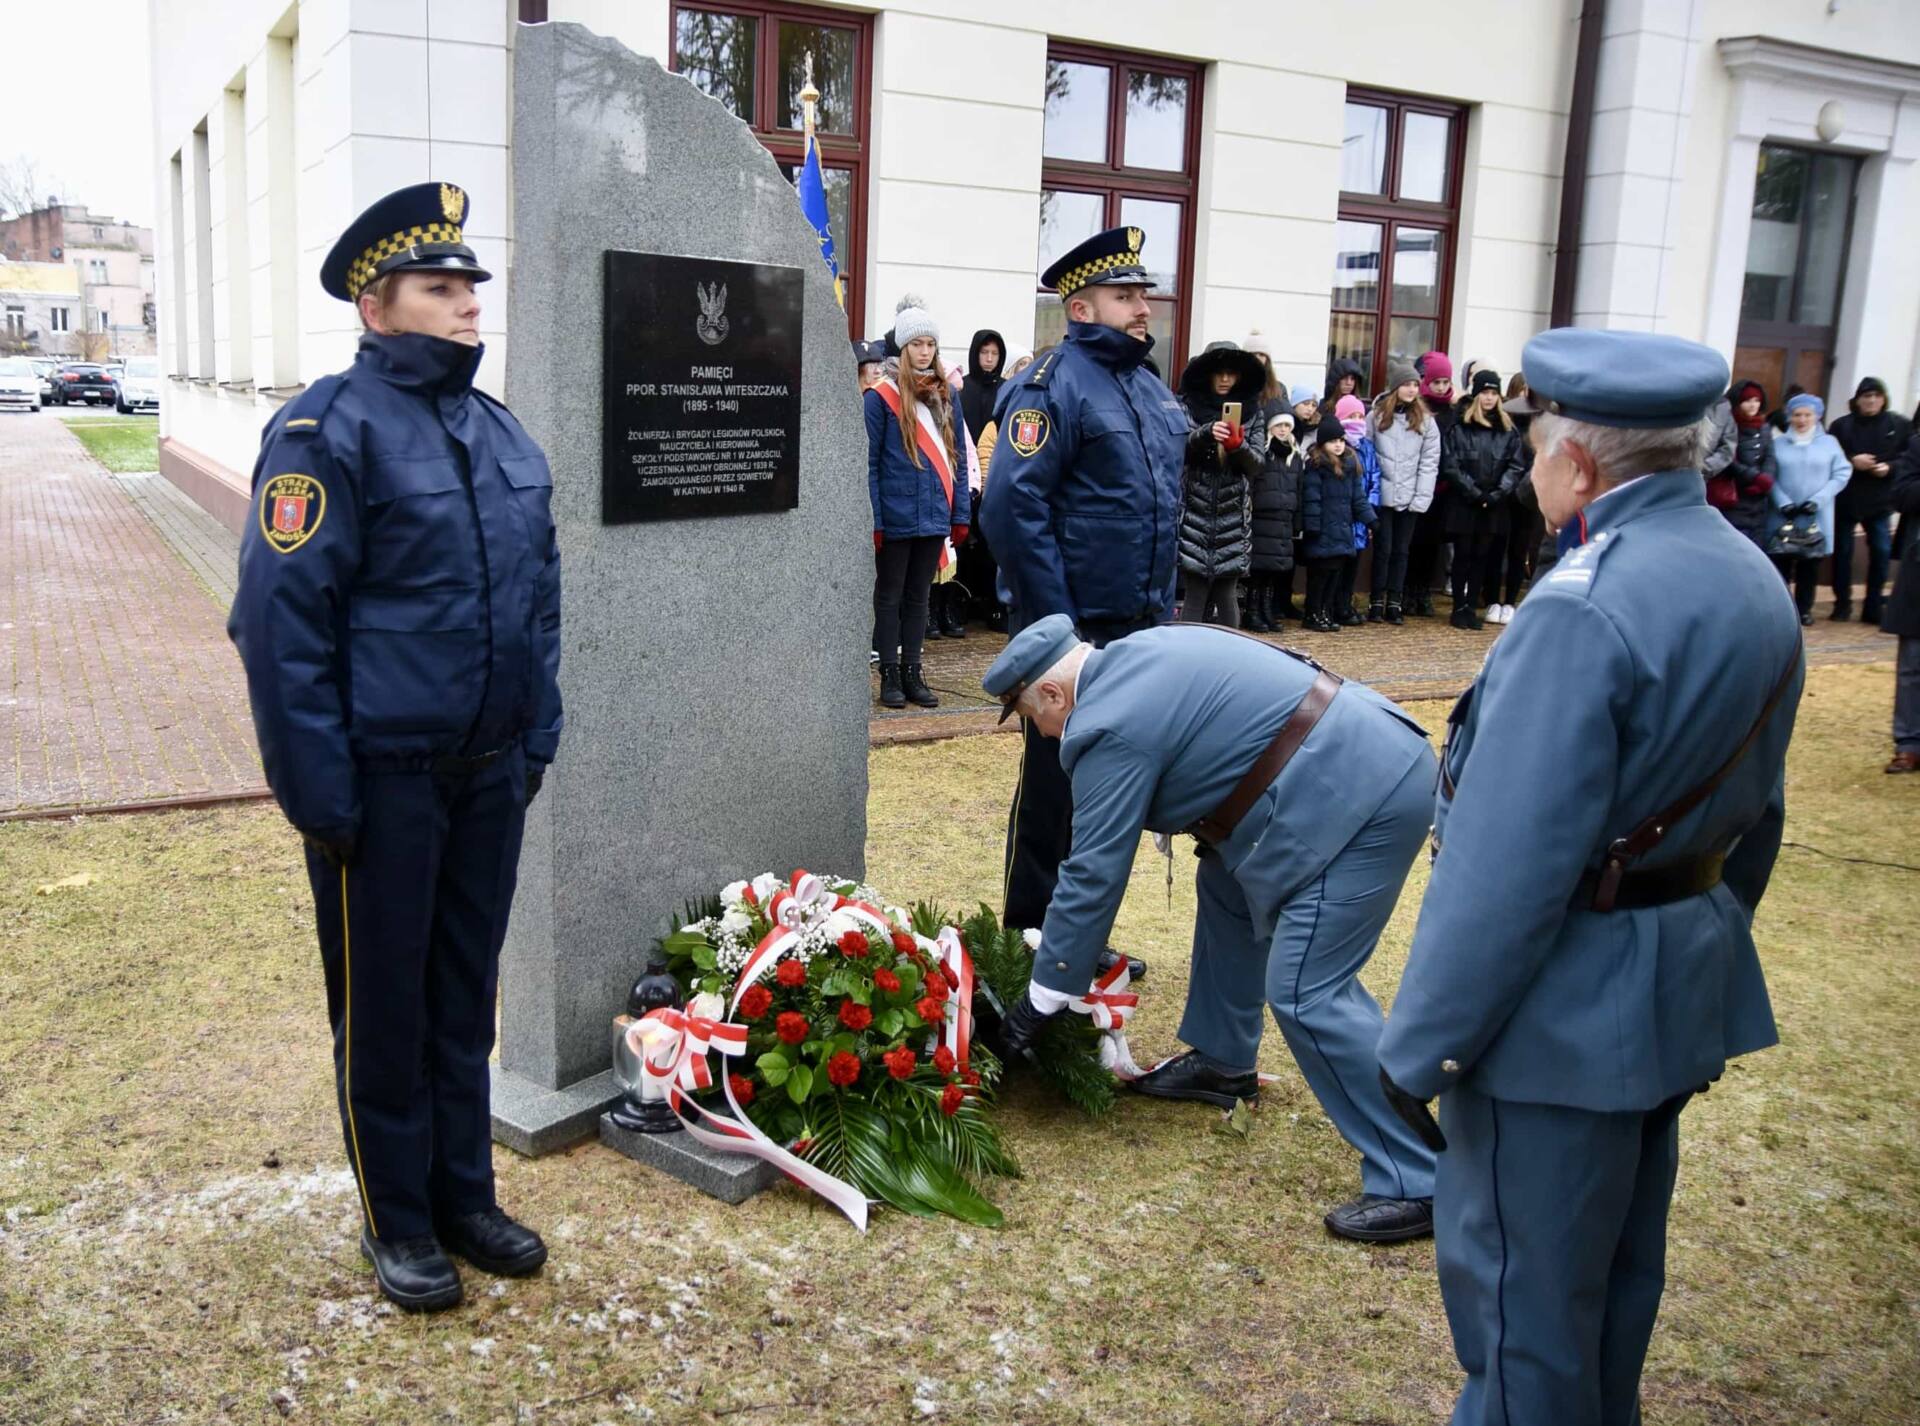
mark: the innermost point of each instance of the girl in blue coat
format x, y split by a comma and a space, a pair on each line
916, 479
1333, 499
1811, 470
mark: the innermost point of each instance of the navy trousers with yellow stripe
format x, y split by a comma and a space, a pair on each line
410, 939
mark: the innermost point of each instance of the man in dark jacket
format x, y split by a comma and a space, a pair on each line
1223, 458
1872, 436
1081, 506
1903, 615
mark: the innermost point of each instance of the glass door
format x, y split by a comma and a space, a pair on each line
1796, 269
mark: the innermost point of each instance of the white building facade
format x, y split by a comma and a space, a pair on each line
1359, 180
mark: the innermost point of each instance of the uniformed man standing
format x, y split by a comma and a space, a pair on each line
1081, 506
1310, 798
1584, 961
399, 618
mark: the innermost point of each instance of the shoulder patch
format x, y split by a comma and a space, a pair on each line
291, 509
1027, 429
1576, 569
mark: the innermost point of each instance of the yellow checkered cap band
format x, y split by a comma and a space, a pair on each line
367, 266
1078, 277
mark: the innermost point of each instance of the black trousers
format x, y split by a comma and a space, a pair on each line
1802, 577
1424, 549
1040, 821
410, 942
1324, 581
1523, 539
902, 579
1392, 543
1477, 560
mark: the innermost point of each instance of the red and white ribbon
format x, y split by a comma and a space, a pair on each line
956, 1033
679, 1059
1110, 1009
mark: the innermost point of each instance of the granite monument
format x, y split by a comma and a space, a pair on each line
714, 642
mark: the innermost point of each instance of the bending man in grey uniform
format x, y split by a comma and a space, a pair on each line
1584, 960
1310, 798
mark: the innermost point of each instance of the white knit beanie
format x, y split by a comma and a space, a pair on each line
911, 319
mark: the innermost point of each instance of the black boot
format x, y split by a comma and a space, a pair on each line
414, 1273
1287, 609
891, 695
1870, 612
1842, 611
1349, 617
1194, 1076
493, 1242
915, 687
1464, 617
936, 611
1422, 606
1257, 617
1377, 612
953, 615
1394, 614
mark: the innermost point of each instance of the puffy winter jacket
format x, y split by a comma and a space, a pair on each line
1216, 514
1333, 499
1276, 508
1409, 462
1487, 465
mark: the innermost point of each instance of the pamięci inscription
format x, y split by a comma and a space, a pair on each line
702, 400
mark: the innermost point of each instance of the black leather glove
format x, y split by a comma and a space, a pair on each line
1419, 1118
1021, 1026
336, 849
535, 776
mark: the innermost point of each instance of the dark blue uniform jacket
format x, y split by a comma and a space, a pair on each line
399, 594
1083, 498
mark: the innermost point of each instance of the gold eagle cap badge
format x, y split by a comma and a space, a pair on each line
453, 202
1135, 238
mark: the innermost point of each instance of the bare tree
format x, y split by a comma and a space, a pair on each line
24, 185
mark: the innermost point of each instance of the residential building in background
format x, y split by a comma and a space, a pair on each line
41, 312
112, 261
1368, 180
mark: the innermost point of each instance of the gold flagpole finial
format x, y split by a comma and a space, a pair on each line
809, 96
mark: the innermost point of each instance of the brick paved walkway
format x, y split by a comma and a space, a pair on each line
117, 683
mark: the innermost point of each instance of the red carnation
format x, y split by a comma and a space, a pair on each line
886, 980
943, 1060
801, 1146
791, 974
972, 1077
899, 1062
755, 1003
853, 943
746, 895
843, 1069
790, 1027
854, 1016
951, 1098
932, 1011
903, 943
742, 1088
937, 985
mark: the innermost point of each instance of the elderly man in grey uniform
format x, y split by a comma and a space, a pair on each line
1584, 961
1310, 798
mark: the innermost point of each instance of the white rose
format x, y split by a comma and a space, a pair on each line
707, 1005
764, 885
1032, 937
735, 922
838, 924
734, 893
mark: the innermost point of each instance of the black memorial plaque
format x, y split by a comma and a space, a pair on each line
701, 407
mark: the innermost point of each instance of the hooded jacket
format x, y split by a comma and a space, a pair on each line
980, 389
1216, 513
1868, 496
1276, 507
1339, 367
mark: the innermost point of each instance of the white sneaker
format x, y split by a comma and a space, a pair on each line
1496, 613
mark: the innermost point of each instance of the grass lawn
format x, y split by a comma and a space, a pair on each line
177, 1225
120, 443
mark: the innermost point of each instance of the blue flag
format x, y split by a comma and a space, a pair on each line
813, 202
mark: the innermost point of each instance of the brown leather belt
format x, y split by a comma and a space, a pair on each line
1656, 886
1218, 824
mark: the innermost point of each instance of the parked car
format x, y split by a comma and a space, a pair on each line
138, 388
19, 384
82, 382
44, 368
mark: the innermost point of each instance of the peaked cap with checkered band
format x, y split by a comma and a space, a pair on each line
415, 227
1109, 257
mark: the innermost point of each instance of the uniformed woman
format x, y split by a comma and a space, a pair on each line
398, 615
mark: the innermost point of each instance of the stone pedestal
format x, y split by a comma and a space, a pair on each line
732, 1178
714, 669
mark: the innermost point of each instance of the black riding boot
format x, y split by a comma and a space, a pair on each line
953, 612
915, 687
891, 695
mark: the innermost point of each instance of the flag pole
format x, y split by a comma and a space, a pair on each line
809, 97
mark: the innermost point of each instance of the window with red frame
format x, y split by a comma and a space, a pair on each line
1395, 238
1120, 147
752, 58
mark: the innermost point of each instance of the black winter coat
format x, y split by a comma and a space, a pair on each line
1752, 473
1332, 500
1276, 508
1865, 495
1902, 613
1216, 511
1487, 465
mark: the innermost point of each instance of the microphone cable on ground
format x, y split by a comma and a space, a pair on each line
1858, 861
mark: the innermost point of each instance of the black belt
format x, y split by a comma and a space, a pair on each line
1656, 886
439, 764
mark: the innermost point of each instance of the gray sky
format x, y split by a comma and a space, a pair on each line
90, 128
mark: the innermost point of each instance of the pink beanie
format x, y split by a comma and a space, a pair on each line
1433, 366
1349, 408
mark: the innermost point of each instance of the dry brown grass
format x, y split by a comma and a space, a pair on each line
177, 1228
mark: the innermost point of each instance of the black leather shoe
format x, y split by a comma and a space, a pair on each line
494, 1243
414, 1273
1842, 611
1373, 1219
1194, 1076
1136, 968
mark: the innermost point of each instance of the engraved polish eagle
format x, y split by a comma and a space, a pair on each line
712, 323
